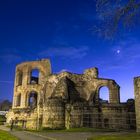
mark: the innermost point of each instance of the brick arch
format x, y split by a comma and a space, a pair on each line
35, 79
32, 94
103, 94
98, 88
114, 95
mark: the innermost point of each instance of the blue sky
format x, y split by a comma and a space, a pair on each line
61, 30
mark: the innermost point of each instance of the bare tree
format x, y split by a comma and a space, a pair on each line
115, 14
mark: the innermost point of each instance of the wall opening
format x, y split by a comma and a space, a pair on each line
18, 101
34, 79
32, 100
104, 95
19, 78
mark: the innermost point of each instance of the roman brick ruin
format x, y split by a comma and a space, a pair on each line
67, 100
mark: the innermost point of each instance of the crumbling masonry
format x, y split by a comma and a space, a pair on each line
67, 100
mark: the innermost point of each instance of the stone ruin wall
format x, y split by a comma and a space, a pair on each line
137, 101
87, 86
67, 100
22, 90
23, 77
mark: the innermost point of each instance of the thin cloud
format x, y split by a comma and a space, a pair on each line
8, 58
65, 51
6, 82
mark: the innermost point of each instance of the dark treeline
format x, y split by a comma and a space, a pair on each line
5, 105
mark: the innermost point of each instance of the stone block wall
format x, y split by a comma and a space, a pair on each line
137, 101
67, 100
54, 114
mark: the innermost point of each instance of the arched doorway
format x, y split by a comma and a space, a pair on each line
33, 100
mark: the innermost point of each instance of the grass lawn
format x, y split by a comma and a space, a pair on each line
6, 136
130, 136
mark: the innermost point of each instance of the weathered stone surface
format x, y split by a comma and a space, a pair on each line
137, 101
66, 100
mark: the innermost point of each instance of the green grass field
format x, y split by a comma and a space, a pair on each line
6, 136
131, 136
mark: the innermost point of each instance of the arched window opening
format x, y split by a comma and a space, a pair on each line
19, 78
18, 102
33, 100
104, 95
34, 76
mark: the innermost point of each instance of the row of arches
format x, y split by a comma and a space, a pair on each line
32, 100
34, 77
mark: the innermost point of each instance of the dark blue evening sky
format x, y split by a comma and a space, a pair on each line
61, 30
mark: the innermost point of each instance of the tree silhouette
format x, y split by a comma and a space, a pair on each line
115, 14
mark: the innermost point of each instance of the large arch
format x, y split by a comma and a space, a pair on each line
113, 88
114, 95
32, 99
103, 94
34, 76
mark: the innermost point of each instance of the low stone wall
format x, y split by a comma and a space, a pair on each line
100, 116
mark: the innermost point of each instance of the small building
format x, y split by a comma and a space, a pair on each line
66, 100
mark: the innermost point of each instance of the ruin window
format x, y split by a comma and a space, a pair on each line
34, 79
32, 100
104, 95
19, 78
18, 101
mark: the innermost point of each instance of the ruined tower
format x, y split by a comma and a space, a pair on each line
28, 85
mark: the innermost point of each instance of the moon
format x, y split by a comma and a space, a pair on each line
118, 51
